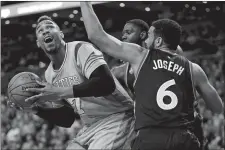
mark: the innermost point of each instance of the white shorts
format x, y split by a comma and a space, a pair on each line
114, 132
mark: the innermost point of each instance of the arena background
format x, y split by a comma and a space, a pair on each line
203, 38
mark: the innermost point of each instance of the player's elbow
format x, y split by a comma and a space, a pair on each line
95, 34
109, 86
93, 38
112, 86
216, 106
219, 109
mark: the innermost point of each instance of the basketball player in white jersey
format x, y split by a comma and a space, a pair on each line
78, 73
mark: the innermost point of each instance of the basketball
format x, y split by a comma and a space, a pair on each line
17, 88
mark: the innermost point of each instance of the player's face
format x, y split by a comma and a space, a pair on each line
149, 42
49, 36
131, 33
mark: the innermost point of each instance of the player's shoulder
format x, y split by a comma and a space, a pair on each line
77, 45
74, 44
197, 72
195, 67
82, 43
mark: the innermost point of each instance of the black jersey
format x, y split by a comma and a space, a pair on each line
129, 79
164, 91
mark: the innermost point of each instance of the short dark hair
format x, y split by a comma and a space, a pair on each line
169, 30
42, 18
140, 23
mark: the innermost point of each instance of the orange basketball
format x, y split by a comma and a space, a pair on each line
17, 88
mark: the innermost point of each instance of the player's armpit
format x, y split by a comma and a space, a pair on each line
206, 90
119, 71
107, 43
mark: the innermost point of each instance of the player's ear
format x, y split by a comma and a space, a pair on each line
38, 44
143, 35
61, 34
158, 41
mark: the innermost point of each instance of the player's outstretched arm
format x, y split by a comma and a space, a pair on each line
106, 42
206, 90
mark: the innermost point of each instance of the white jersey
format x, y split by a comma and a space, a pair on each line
78, 64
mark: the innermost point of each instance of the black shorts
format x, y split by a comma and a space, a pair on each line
165, 139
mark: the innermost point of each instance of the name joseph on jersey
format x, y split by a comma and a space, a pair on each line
170, 66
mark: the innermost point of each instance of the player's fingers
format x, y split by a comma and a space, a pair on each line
41, 83
9, 104
36, 90
13, 105
33, 99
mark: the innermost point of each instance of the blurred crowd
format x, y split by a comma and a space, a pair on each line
206, 43
213, 124
22, 130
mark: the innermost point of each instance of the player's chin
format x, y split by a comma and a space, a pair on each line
51, 50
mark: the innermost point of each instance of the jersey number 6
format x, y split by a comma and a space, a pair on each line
162, 92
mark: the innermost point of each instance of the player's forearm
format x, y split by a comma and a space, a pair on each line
100, 83
213, 101
92, 24
107, 43
63, 116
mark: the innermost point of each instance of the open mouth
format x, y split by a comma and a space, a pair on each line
48, 39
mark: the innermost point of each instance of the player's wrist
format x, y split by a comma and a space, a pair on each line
66, 93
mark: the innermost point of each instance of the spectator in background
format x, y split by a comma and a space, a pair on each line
13, 138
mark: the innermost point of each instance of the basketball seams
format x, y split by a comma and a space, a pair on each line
20, 74
17, 102
21, 85
23, 104
17, 88
15, 80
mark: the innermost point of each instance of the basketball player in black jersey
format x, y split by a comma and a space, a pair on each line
165, 83
135, 31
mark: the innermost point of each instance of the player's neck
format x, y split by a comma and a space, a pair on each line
58, 58
165, 48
